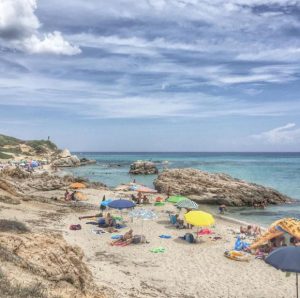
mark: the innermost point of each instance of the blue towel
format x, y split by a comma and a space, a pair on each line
116, 236
165, 236
240, 245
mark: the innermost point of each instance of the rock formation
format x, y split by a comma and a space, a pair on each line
143, 168
220, 188
66, 159
48, 260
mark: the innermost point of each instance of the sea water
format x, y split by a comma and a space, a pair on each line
278, 170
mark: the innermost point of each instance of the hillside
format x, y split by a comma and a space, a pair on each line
11, 147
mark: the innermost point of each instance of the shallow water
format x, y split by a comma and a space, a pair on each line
278, 170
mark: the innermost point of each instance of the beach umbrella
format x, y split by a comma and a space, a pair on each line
176, 199
144, 214
77, 185
106, 202
187, 204
286, 259
121, 204
199, 218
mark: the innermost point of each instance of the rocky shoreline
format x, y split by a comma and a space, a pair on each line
208, 188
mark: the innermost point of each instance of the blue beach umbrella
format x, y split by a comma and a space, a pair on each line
106, 202
286, 259
121, 204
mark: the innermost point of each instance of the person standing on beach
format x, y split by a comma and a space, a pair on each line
222, 209
103, 207
168, 192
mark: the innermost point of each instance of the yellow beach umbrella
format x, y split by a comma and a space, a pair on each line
199, 218
77, 185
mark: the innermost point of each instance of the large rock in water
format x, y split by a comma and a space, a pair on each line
220, 188
66, 159
143, 168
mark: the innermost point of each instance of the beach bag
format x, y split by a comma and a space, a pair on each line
189, 238
138, 239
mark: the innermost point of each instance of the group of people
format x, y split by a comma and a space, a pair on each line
250, 230
140, 199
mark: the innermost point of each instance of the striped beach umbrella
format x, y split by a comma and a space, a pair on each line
187, 204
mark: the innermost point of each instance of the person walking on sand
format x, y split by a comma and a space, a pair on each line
222, 209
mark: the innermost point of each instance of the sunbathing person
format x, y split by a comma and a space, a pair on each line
250, 230
126, 239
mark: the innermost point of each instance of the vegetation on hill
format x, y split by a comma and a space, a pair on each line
4, 156
34, 147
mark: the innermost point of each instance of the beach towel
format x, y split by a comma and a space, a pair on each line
121, 243
98, 232
205, 232
159, 204
165, 236
116, 236
240, 245
158, 250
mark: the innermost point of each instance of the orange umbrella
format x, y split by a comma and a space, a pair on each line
77, 185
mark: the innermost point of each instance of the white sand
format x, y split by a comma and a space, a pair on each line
183, 270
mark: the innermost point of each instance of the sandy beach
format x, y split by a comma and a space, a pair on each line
183, 270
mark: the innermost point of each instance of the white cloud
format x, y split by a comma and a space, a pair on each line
282, 54
53, 43
19, 28
286, 134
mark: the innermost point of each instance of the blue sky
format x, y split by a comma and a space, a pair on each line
152, 75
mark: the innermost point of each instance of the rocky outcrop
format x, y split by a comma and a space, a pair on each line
85, 162
47, 259
220, 188
143, 168
66, 159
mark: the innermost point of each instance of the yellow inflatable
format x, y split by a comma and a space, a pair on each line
237, 255
278, 228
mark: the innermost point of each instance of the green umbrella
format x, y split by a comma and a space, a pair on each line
176, 199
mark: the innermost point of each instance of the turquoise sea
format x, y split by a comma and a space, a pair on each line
278, 170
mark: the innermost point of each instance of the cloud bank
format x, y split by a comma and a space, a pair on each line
286, 134
19, 29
